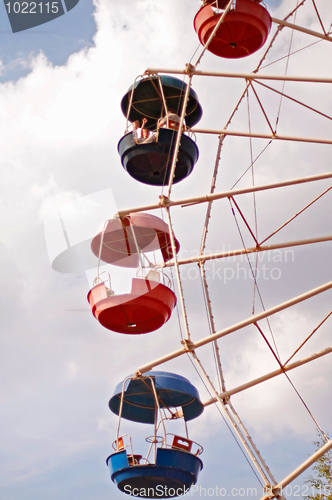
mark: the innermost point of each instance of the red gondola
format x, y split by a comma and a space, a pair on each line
244, 29
145, 309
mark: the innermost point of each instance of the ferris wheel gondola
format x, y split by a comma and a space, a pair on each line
147, 103
149, 304
172, 464
244, 30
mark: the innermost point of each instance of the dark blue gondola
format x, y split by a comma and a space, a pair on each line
151, 163
147, 100
175, 465
151, 98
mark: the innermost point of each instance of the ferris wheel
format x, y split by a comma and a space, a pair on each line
160, 148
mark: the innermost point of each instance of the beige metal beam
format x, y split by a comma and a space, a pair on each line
275, 137
245, 251
166, 202
295, 27
277, 490
245, 76
187, 347
268, 376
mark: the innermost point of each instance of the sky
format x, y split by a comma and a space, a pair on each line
60, 90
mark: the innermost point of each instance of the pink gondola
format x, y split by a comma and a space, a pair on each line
119, 246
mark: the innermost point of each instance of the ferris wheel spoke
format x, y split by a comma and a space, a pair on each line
245, 76
295, 27
294, 100
278, 137
277, 358
244, 220
215, 347
248, 250
297, 214
287, 480
189, 346
268, 376
319, 17
309, 337
240, 430
177, 271
166, 202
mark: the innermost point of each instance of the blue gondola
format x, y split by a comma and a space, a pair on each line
151, 163
175, 463
139, 403
172, 475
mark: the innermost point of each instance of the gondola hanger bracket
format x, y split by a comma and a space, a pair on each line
164, 201
188, 345
268, 490
190, 69
178, 414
